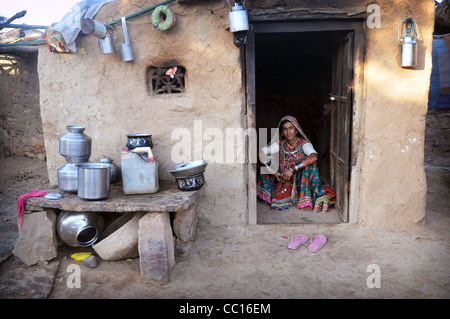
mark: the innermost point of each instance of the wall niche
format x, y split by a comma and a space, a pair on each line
165, 80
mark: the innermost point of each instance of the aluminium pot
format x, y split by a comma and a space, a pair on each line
79, 228
68, 177
114, 172
94, 180
75, 146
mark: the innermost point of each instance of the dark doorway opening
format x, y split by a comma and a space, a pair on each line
294, 74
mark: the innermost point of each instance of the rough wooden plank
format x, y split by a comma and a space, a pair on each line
167, 199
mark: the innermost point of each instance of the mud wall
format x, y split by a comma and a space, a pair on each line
388, 184
21, 131
111, 99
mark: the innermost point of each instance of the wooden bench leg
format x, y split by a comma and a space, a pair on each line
156, 249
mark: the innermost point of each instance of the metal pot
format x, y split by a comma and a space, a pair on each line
190, 183
94, 180
79, 228
189, 169
139, 140
68, 177
114, 175
75, 146
238, 18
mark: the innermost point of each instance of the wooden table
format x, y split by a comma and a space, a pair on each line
156, 243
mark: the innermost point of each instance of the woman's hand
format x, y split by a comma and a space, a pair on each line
286, 175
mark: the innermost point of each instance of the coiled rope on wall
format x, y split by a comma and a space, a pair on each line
157, 16
42, 41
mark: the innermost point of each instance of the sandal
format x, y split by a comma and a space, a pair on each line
317, 242
297, 241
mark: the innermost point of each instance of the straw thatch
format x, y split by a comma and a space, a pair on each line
442, 18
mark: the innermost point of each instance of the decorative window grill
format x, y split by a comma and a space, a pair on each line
165, 80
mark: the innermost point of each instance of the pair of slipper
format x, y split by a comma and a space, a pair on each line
317, 242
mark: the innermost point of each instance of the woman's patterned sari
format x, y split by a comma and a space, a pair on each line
301, 190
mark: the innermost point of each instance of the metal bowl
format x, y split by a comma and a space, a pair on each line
189, 169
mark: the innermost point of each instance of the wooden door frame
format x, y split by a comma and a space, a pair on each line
357, 100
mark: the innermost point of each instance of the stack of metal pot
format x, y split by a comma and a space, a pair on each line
76, 148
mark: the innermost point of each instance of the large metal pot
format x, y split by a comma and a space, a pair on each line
114, 173
75, 146
189, 176
68, 177
94, 180
79, 228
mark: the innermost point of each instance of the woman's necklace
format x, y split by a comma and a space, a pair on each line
287, 149
289, 154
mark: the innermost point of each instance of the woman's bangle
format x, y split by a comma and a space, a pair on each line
271, 171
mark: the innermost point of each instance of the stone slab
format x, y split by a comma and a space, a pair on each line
122, 243
156, 247
185, 223
37, 240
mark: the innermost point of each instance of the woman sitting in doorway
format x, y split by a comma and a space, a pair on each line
290, 176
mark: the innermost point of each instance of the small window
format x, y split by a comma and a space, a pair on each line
165, 80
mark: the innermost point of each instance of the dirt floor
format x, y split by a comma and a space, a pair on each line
245, 262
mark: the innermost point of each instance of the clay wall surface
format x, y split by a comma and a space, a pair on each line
111, 99
21, 131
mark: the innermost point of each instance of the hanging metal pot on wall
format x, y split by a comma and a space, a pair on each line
408, 36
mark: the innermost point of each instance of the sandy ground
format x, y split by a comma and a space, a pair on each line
245, 262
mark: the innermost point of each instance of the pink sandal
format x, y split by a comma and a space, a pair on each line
317, 242
297, 241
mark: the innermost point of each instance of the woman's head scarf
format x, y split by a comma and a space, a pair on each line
276, 140
294, 121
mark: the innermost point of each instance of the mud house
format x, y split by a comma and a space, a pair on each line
332, 64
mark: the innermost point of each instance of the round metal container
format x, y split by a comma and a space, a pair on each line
106, 44
238, 19
68, 177
409, 52
75, 146
139, 140
189, 169
94, 180
190, 183
114, 173
79, 228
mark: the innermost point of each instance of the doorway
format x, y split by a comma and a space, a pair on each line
306, 74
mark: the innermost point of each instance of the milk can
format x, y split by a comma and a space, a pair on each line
408, 36
238, 18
